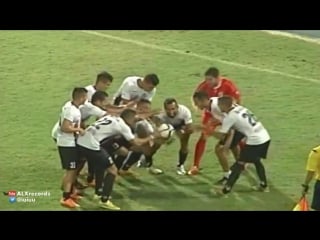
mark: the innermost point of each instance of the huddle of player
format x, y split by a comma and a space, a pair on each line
126, 132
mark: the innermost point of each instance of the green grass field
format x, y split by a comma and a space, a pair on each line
39, 68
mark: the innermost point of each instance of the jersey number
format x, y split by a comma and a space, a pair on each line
102, 121
251, 118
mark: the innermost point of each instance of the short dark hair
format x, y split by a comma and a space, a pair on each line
169, 101
104, 77
99, 96
152, 78
213, 72
128, 113
226, 100
141, 101
78, 92
200, 95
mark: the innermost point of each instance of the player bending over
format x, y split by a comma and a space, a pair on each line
143, 128
136, 88
256, 146
90, 147
210, 105
179, 116
215, 86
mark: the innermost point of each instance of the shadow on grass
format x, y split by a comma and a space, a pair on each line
170, 192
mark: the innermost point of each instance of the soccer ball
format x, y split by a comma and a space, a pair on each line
166, 130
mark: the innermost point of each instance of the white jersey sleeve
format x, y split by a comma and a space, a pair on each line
91, 90
89, 110
72, 114
126, 91
149, 95
186, 114
227, 123
125, 131
68, 114
215, 110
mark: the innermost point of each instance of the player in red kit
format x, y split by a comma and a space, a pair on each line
215, 86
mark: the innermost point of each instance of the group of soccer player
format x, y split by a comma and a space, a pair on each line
125, 133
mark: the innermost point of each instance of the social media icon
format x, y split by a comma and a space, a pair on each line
12, 199
12, 193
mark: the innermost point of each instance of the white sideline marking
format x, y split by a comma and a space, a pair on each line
190, 54
292, 35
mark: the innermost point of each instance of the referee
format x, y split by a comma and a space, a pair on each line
313, 169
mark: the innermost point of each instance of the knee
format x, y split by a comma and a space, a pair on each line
219, 150
112, 170
184, 150
238, 165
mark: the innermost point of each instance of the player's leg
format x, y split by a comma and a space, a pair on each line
183, 152
132, 158
261, 152
200, 147
69, 159
147, 150
222, 155
105, 161
91, 176
78, 184
247, 154
315, 204
120, 155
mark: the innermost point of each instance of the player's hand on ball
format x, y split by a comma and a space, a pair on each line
157, 135
81, 132
169, 141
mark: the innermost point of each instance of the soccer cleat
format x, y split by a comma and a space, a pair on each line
108, 205
69, 203
222, 181
75, 197
155, 171
141, 164
181, 170
193, 171
96, 197
260, 188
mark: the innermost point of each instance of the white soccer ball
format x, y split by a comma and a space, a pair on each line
166, 130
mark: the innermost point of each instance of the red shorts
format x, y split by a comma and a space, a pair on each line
210, 122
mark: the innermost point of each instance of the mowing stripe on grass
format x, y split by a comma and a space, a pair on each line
292, 35
195, 55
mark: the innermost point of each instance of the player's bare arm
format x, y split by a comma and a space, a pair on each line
67, 127
187, 129
141, 141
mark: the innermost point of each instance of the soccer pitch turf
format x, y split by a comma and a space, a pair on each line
278, 78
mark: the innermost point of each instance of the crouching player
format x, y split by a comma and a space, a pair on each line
143, 128
179, 116
90, 148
